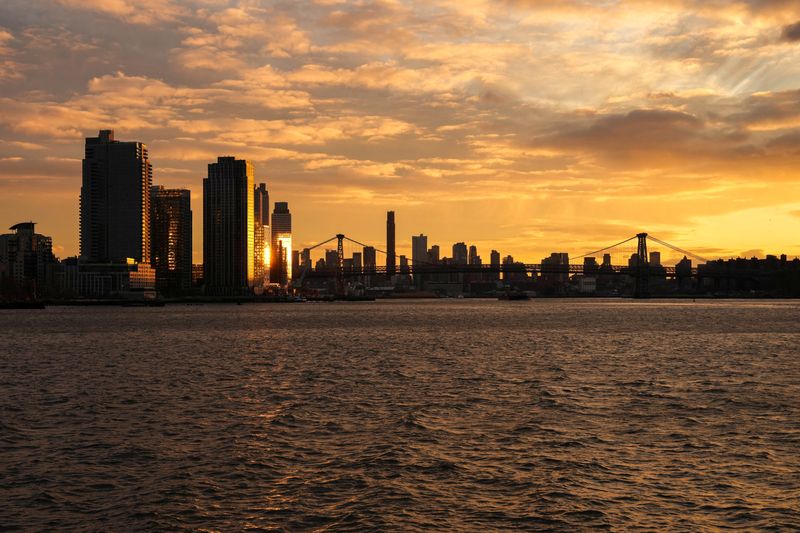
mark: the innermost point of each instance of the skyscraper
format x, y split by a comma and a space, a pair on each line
261, 205
494, 260
171, 238
228, 227
115, 200
460, 253
391, 262
370, 260
419, 256
261, 231
281, 253
419, 249
433, 254
474, 258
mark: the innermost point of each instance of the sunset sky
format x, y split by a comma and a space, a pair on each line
529, 126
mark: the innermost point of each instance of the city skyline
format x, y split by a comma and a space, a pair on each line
515, 125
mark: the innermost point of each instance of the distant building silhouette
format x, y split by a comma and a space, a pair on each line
419, 249
433, 254
474, 258
171, 238
391, 262
228, 227
370, 260
460, 255
115, 200
655, 259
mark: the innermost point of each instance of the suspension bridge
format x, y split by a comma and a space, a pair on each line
640, 270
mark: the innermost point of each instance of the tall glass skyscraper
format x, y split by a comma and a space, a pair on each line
281, 244
171, 238
261, 251
228, 227
115, 200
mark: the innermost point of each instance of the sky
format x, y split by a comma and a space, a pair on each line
527, 126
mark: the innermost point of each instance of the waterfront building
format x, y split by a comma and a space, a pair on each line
281, 244
228, 227
391, 263
115, 200
129, 280
26, 263
171, 239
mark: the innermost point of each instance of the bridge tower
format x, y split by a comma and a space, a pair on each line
340, 264
641, 287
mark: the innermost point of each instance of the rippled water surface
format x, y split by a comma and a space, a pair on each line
431, 415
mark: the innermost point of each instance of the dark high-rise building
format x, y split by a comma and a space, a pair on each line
295, 263
115, 200
261, 205
281, 254
370, 259
391, 262
460, 256
26, 262
419, 249
228, 227
261, 232
433, 254
331, 259
171, 238
494, 260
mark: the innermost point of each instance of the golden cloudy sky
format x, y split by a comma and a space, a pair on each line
529, 126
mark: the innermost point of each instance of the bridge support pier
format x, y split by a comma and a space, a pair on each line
340, 265
641, 287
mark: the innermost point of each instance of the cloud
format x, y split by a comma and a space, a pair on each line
631, 113
134, 11
791, 32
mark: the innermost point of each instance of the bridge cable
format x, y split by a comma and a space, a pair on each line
679, 250
603, 249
